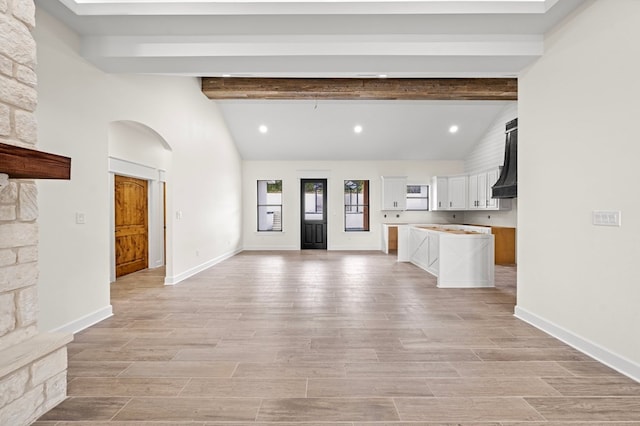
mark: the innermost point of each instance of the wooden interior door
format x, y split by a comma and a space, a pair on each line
132, 234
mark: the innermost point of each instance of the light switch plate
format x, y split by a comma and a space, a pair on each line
80, 219
606, 218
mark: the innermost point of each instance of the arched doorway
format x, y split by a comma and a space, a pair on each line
138, 154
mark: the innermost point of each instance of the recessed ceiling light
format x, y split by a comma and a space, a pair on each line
453, 129
263, 128
226, 75
357, 128
382, 76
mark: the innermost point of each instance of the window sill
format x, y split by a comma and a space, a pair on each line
268, 232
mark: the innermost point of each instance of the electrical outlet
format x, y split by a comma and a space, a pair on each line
606, 218
80, 218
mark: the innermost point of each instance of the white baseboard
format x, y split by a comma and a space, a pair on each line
595, 351
353, 248
297, 248
86, 321
191, 272
271, 248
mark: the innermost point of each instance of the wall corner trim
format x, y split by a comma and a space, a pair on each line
595, 351
173, 280
86, 321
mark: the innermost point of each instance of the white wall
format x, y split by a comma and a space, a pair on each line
77, 103
489, 150
139, 144
290, 172
489, 154
578, 153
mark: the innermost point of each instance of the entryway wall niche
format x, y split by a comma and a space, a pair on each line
138, 151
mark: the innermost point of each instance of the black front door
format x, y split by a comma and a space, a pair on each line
313, 214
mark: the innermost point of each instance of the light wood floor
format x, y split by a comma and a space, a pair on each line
341, 338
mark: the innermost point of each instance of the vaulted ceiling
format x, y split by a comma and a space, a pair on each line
338, 38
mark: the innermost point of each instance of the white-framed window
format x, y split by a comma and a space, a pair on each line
417, 197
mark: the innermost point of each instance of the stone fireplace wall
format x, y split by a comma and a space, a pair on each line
32, 365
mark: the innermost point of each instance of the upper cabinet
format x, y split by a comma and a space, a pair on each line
449, 193
457, 192
394, 192
480, 192
477, 191
440, 193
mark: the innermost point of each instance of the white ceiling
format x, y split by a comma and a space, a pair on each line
391, 130
337, 38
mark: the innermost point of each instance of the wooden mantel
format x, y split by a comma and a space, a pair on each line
504, 89
24, 163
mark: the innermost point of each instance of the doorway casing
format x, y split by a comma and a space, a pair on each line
156, 179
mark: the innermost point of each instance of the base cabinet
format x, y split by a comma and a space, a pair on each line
459, 259
395, 238
389, 238
505, 242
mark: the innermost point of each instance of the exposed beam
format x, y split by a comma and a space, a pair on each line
503, 89
24, 163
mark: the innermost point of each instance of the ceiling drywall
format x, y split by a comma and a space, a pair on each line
338, 38
325, 130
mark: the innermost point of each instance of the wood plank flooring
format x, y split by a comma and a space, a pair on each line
317, 338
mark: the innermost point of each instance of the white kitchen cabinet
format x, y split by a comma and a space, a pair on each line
492, 178
403, 243
480, 192
457, 189
396, 237
495, 203
394, 192
449, 192
477, 191
440, 193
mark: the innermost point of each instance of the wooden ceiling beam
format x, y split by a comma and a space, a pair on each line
501, 89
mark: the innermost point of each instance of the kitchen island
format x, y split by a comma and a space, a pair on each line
459, 256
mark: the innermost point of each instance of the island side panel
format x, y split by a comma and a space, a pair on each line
466, 261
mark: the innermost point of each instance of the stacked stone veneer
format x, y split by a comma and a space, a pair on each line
32, 365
